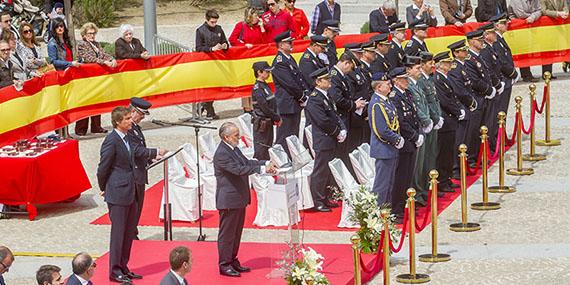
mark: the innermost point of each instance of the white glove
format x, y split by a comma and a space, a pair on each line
518, 78
420, 141
439, 124
462, 116
400, 143
341, 136
429, 127
324, 58
500, 91
492, 94
475, 107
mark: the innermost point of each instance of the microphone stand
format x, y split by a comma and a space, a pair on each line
201, 236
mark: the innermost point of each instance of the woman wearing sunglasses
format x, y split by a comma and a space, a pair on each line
299, 19
276, 21
28, 49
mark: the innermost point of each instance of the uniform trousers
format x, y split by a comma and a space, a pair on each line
446, 156
321, 176
461, 137
229, 235
289, 126
384, 180
123, 227
260, 142
81, 125
403, 180
491, 121
425, 162
505, 99
472, 136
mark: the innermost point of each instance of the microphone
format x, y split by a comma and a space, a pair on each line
164, 123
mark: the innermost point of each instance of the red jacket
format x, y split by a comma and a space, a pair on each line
244, 34
278, 23
300, 21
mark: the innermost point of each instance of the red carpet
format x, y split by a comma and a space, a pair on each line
150, 259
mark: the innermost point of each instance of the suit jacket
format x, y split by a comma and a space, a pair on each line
72, 280
411, 14
309, 63
341, 93
264, 105
289, 84
123, 50
420, 101
450, 106
2, 280
232, 169
449, 8
331, 53
507, 65
461, 84
479, 75
170, 279
91, 52
321, 111
409, 122
380, 64
360, 79
383, 139
395, 55
489, 8
115, 173
414, 47
379, 23
6, 73
550, 7
142, 154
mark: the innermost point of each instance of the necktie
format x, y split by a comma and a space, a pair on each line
240, 156
126, 140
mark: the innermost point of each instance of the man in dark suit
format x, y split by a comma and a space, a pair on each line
381, 18
143, 156
6, 260
180, 264
324, 11
455, 12
486, 9
83, 267
49, 275
116, 178
232, 169
421, 12
507, 65
290, 89
417, 43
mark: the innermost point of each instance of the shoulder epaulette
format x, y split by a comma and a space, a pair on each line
334, 72
313, 94
279, 59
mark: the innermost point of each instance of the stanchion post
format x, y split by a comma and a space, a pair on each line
464, 226
434, 256
547, 141
385, 215
412, 277
356, 254
532, 156
502, 188
519, 171
485, 205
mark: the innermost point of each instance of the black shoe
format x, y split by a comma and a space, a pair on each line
133, 275
530, 79
445, 189
229, 271
121, 279
421, 202
454, 185
237, 266
322, 208
331, 204
565, 66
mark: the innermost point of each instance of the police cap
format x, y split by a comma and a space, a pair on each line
141, 105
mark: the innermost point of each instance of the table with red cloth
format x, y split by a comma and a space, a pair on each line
53, 176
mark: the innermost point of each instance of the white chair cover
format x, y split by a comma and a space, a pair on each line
365, 153
207, 146
360, 165
347, 184
267, 216
309, 135
301, 156
246, 129
183, 194
207, 178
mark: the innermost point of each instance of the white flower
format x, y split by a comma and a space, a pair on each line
313, 260
299, 273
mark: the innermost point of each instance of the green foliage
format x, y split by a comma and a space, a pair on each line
365, 29
100, 12
109, 48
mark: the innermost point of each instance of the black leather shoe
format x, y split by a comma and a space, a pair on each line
133, 275
322, 208
123, 279
229, 271
445, 189
237, 266
331, 204
530, 79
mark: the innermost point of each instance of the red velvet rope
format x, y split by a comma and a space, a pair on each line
473, 171
499, 138
426, 215
545, 95
511, 141
531, 126
378, 261
403, 236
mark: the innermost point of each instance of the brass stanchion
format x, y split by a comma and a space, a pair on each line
485, 205
412, 277
385, 215
356, 254
547, 141
519, 171
434, 256
464, 226
532, 156
502, 188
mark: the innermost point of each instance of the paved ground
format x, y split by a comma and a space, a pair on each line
523, 243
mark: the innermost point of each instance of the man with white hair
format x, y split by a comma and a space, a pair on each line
127, 46
381, 18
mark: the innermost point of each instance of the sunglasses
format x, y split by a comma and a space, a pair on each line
291, 1
271, 4
27, 31
4, 50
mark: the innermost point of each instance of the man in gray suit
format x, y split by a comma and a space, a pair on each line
420, 12
180, 265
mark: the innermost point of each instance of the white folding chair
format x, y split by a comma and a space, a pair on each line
302, 128
301, 156
207, 178
266, 215
183, 193
246, 129
309, 135
207, 145
365, 153
278, 156
347, 184
363, 172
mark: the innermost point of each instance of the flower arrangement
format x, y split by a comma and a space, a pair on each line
302, 267
367, 214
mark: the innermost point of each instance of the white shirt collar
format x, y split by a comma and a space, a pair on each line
83, 281
401, 91
338, 69
413, 81
381, 96
499, 34
458, 60
414, 6
231, 147
312, 52
323, 91
178, 277
425, 75
396, 42
366, 63
476, 53
444, 75
121, 134
420, 41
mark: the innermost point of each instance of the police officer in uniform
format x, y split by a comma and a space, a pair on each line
290, 89
331, 31
359, 80
311, 59
368, 57
411, 131
396, 53
385, 140
453, 112
264, 111
381, 63
328, 132
417, 42
506, 57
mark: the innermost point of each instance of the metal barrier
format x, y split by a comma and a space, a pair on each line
166, 46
